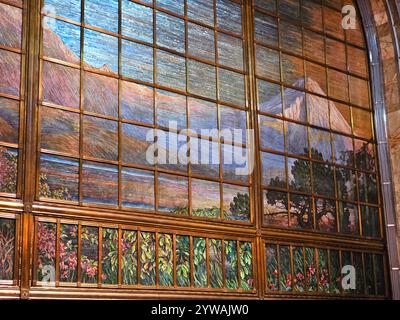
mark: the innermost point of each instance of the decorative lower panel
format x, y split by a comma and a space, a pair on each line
79, 254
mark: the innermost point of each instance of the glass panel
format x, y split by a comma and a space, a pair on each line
183, 273
170, 32
60, 85
8, 170
137, 21
201, 10
7, 248
129, 259
269, 97
301, 215
343, 150
61, 40
335, 271
202, 79
266, 5
367, 188
323, 270
204, 157
348, 218
312, 15
205, 199
335, 54
295, 105
177, 204
201, 42
333, 23
272, 268
369, 274
59, 178
100, 138
323, 183
293, 71
321, 148
314, 46
200, 262
276, 209
101, 51
296, 139
137, 102
100, 183
231, 264
266, 29
137, 189
165, 260
370, 222
359, 92
357, 61
215, 253
271, 132
109, 261
285, 269
289, 9
358, 265
291, 37
176, 6
100, 94
232, 119
235, 163
230, 51
379, 274
274, 170
102, 14
316, 82
171, 107
203, 115
325, 215
365, 155
136, 145
362, 123
299, 175
70, 9
137, 61
231, 87
236, 203
147, 259
337, 85
346, 184
9, 120
68, 253
172, 151
171, 70
229, 16
59, 130
46, 251
89, 254
246, 266
267, 63
311, 272
298, 269
340, 117
346, 261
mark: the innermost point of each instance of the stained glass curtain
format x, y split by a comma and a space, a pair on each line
116, 77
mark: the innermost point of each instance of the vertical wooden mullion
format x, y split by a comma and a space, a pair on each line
139, 235
208, 261
57, 260
100, 256
223, 258
79, 267
31, 37
119, 256
174, 259
238, 250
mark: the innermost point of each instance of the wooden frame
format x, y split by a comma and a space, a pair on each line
28, 209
